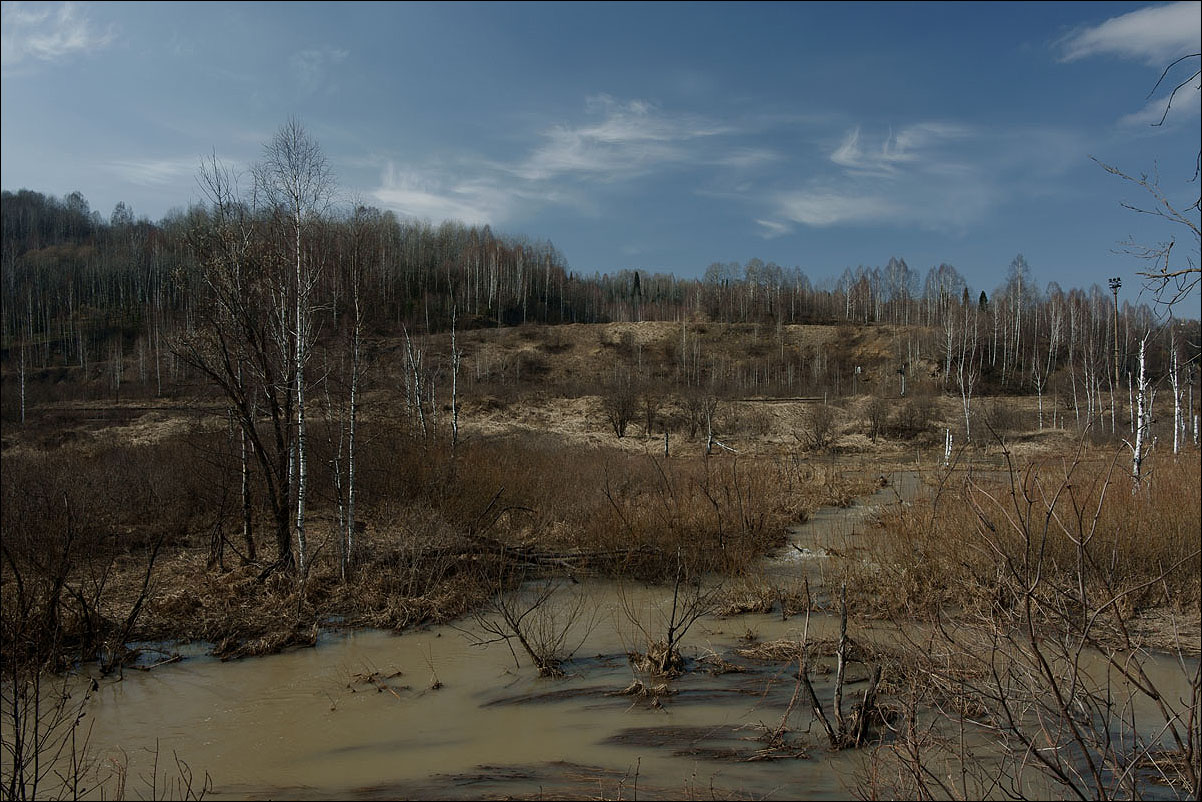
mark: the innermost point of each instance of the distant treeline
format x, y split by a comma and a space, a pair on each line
79, 290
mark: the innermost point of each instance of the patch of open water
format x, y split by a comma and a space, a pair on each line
429, 714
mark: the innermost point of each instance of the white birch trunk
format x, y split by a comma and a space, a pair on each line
1039, 382
158, 367
1193, 417
1176, 386
415, 390
300, 333
454, 383
248, 534
1144, 411
1131, 401
1113, 424
21, 367
349, 551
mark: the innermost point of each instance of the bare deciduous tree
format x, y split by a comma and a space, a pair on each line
619, 403
817, 430
240, 340
1044, 691
1170, 277
651, 400
296, 184
877, 412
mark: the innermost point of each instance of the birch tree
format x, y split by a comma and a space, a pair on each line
1143, 399
240, 340
967, 367
355, 263
1174, 381
297, 186
456, 357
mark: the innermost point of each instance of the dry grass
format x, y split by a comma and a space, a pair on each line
444, 530
1074, 521
609, 510
536, 481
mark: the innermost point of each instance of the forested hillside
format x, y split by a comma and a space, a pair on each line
92, 307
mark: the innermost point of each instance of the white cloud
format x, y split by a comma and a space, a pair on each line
1185, 106
629, 139
312, 67
1155, 35
826, 207
154, 172
428, 195
950, 206
924, 175
897, 149
742, 158
623, 140
774, 228
48, 35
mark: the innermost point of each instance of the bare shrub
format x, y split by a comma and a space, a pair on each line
1000, 418
747, 420
1128, 539
843, 730
1046, 663
692, 600
913, 418
619, 404
549, 630
700, 408
876, 412
651, 401
817, 428
719, 515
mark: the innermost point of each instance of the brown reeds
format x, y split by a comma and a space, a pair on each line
949, 548
1031, 679
442, 527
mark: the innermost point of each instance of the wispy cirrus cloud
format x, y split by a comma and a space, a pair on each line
1155, 35
905, 147
630, 138
154, 172
821, 206
1184, 107
312, 67
48, 34
618, 141
746, 157
435, 196
950, 206
919, 175
773, 228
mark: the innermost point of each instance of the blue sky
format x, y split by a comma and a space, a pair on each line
660, 137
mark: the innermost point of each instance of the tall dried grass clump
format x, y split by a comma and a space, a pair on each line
1074, 521
1062, 661
606, 509
719, 514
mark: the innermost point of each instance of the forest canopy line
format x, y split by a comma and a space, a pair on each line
78, 290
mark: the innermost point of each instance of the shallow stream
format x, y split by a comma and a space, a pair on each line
434, 714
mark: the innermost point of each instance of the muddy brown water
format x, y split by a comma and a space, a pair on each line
433, 714
444, 718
